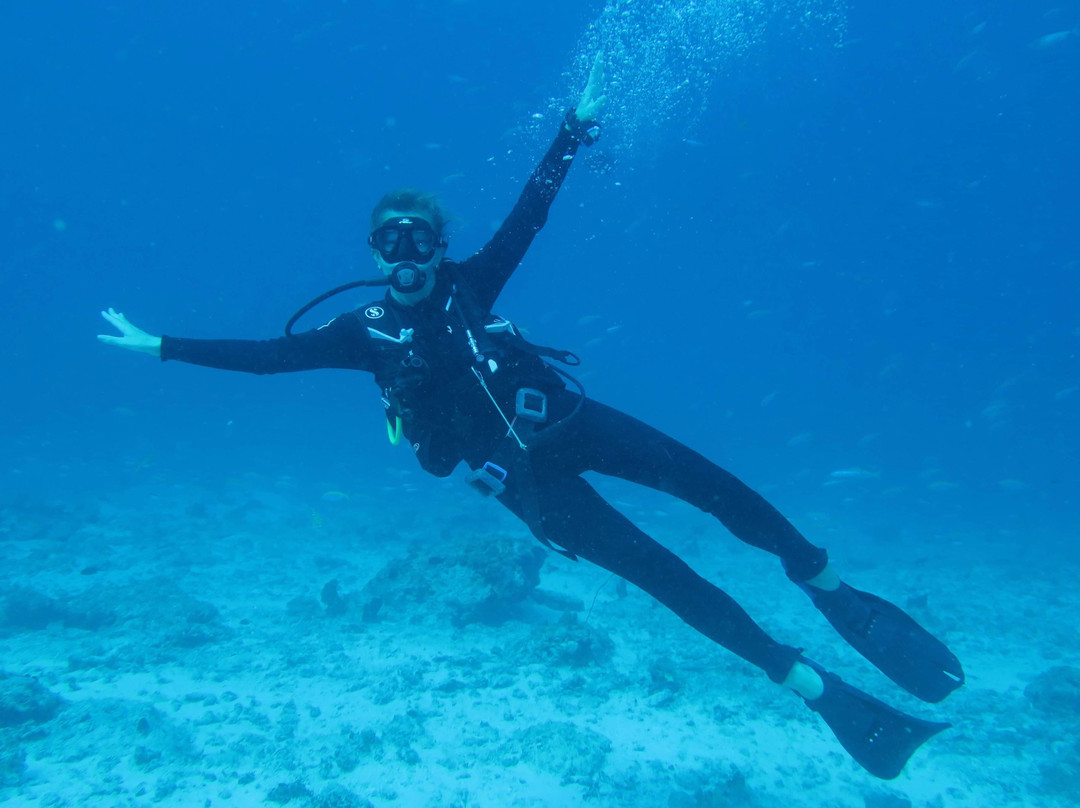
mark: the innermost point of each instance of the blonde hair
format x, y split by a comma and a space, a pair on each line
413, 201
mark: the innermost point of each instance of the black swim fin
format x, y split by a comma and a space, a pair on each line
880, 738
891, 639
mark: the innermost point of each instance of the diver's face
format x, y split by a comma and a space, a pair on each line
406, 237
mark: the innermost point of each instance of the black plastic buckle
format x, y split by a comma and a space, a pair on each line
488, 479
531, 405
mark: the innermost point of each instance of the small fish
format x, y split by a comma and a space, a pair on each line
853, 474
943, 485
1061, 395
1011, 484
334, 496
967, 61
1052, 40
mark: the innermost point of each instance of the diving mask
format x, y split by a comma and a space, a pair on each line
406, 238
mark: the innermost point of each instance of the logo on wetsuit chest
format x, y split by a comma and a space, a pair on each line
374, 312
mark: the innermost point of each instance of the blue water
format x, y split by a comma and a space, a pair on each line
858, 239
848, 243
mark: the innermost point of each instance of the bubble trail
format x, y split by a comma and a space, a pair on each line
662, 58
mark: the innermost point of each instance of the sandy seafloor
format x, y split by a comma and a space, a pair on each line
182, 643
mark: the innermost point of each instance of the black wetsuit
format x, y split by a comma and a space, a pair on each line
450, 370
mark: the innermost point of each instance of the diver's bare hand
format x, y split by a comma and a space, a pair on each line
593, 98
132, 338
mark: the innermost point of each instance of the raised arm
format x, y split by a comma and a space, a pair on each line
490, 268
342, 343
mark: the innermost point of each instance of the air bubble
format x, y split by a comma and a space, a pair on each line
663, 57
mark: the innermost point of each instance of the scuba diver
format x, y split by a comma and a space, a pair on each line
460, 383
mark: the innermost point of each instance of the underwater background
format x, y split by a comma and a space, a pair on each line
832, 246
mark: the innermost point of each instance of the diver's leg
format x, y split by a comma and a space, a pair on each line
575, 517
611, 442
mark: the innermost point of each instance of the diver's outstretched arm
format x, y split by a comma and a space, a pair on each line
132, 338
344, 342
490, 268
